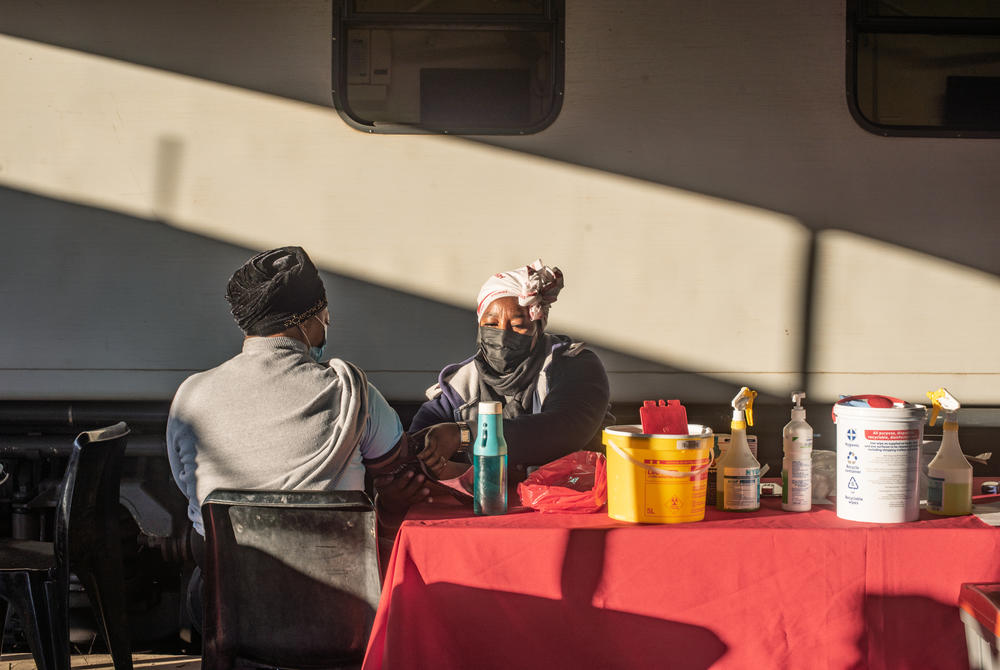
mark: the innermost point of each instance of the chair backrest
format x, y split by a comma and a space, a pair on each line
291, 578
87, 513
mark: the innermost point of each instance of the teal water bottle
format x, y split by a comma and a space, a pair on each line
489, 462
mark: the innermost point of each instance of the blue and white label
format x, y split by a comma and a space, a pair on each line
877, 467
798, 479
741, 488
935, 493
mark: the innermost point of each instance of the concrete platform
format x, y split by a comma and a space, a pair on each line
103, 662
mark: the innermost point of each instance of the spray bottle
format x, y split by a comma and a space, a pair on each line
949, 475
796, 467
738, 472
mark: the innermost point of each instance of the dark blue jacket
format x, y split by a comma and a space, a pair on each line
574, 405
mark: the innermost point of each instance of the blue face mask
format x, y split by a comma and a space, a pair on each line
316, 353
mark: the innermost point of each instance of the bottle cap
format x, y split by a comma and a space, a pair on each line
490, 407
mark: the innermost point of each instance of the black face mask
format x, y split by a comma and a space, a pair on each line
503, 350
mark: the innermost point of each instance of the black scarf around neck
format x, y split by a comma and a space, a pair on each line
512, 389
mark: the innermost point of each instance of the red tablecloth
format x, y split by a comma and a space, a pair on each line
768, 589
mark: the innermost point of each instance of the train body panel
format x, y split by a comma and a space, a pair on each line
704, 157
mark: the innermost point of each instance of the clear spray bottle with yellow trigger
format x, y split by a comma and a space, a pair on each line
949, 475
738, 472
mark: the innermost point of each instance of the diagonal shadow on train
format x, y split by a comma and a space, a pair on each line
126, 284
126, 297
817, 167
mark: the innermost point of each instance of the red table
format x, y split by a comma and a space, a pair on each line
768, 589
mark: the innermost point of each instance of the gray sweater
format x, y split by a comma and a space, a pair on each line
273, 418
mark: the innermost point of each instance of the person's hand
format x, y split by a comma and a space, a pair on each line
397, 492
441, 441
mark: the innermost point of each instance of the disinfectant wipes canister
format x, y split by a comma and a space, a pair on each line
878, 458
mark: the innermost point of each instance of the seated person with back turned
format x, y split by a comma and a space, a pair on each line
554, 391
273, 416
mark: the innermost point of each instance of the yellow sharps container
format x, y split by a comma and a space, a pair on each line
657, 478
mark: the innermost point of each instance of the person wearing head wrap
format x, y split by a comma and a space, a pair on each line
275, 290
554, 391
274, 416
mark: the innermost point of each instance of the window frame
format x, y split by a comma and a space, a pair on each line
344, 18
857, 23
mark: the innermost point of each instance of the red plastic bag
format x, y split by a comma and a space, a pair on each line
577, 482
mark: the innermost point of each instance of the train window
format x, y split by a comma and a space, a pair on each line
925, 67
449, 66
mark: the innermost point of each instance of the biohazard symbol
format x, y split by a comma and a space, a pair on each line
675, 503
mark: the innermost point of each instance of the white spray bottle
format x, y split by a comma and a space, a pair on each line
796, 467
949, 475
738, 472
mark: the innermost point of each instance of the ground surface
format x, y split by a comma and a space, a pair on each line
103, 661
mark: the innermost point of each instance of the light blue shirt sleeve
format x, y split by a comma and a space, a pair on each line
383, 428
181, 454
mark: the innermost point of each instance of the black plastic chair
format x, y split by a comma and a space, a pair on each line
34, 576
291, 578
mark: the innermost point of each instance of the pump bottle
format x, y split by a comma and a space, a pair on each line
737, 486
489, 462
796, 467
949, 475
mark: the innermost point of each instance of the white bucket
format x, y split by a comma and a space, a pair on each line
878, 461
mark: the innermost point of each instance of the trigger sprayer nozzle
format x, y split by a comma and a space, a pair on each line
743, 403
942, 400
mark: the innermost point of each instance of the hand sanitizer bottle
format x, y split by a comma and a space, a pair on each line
489, 462
796, 467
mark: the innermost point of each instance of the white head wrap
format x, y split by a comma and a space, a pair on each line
535, 286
